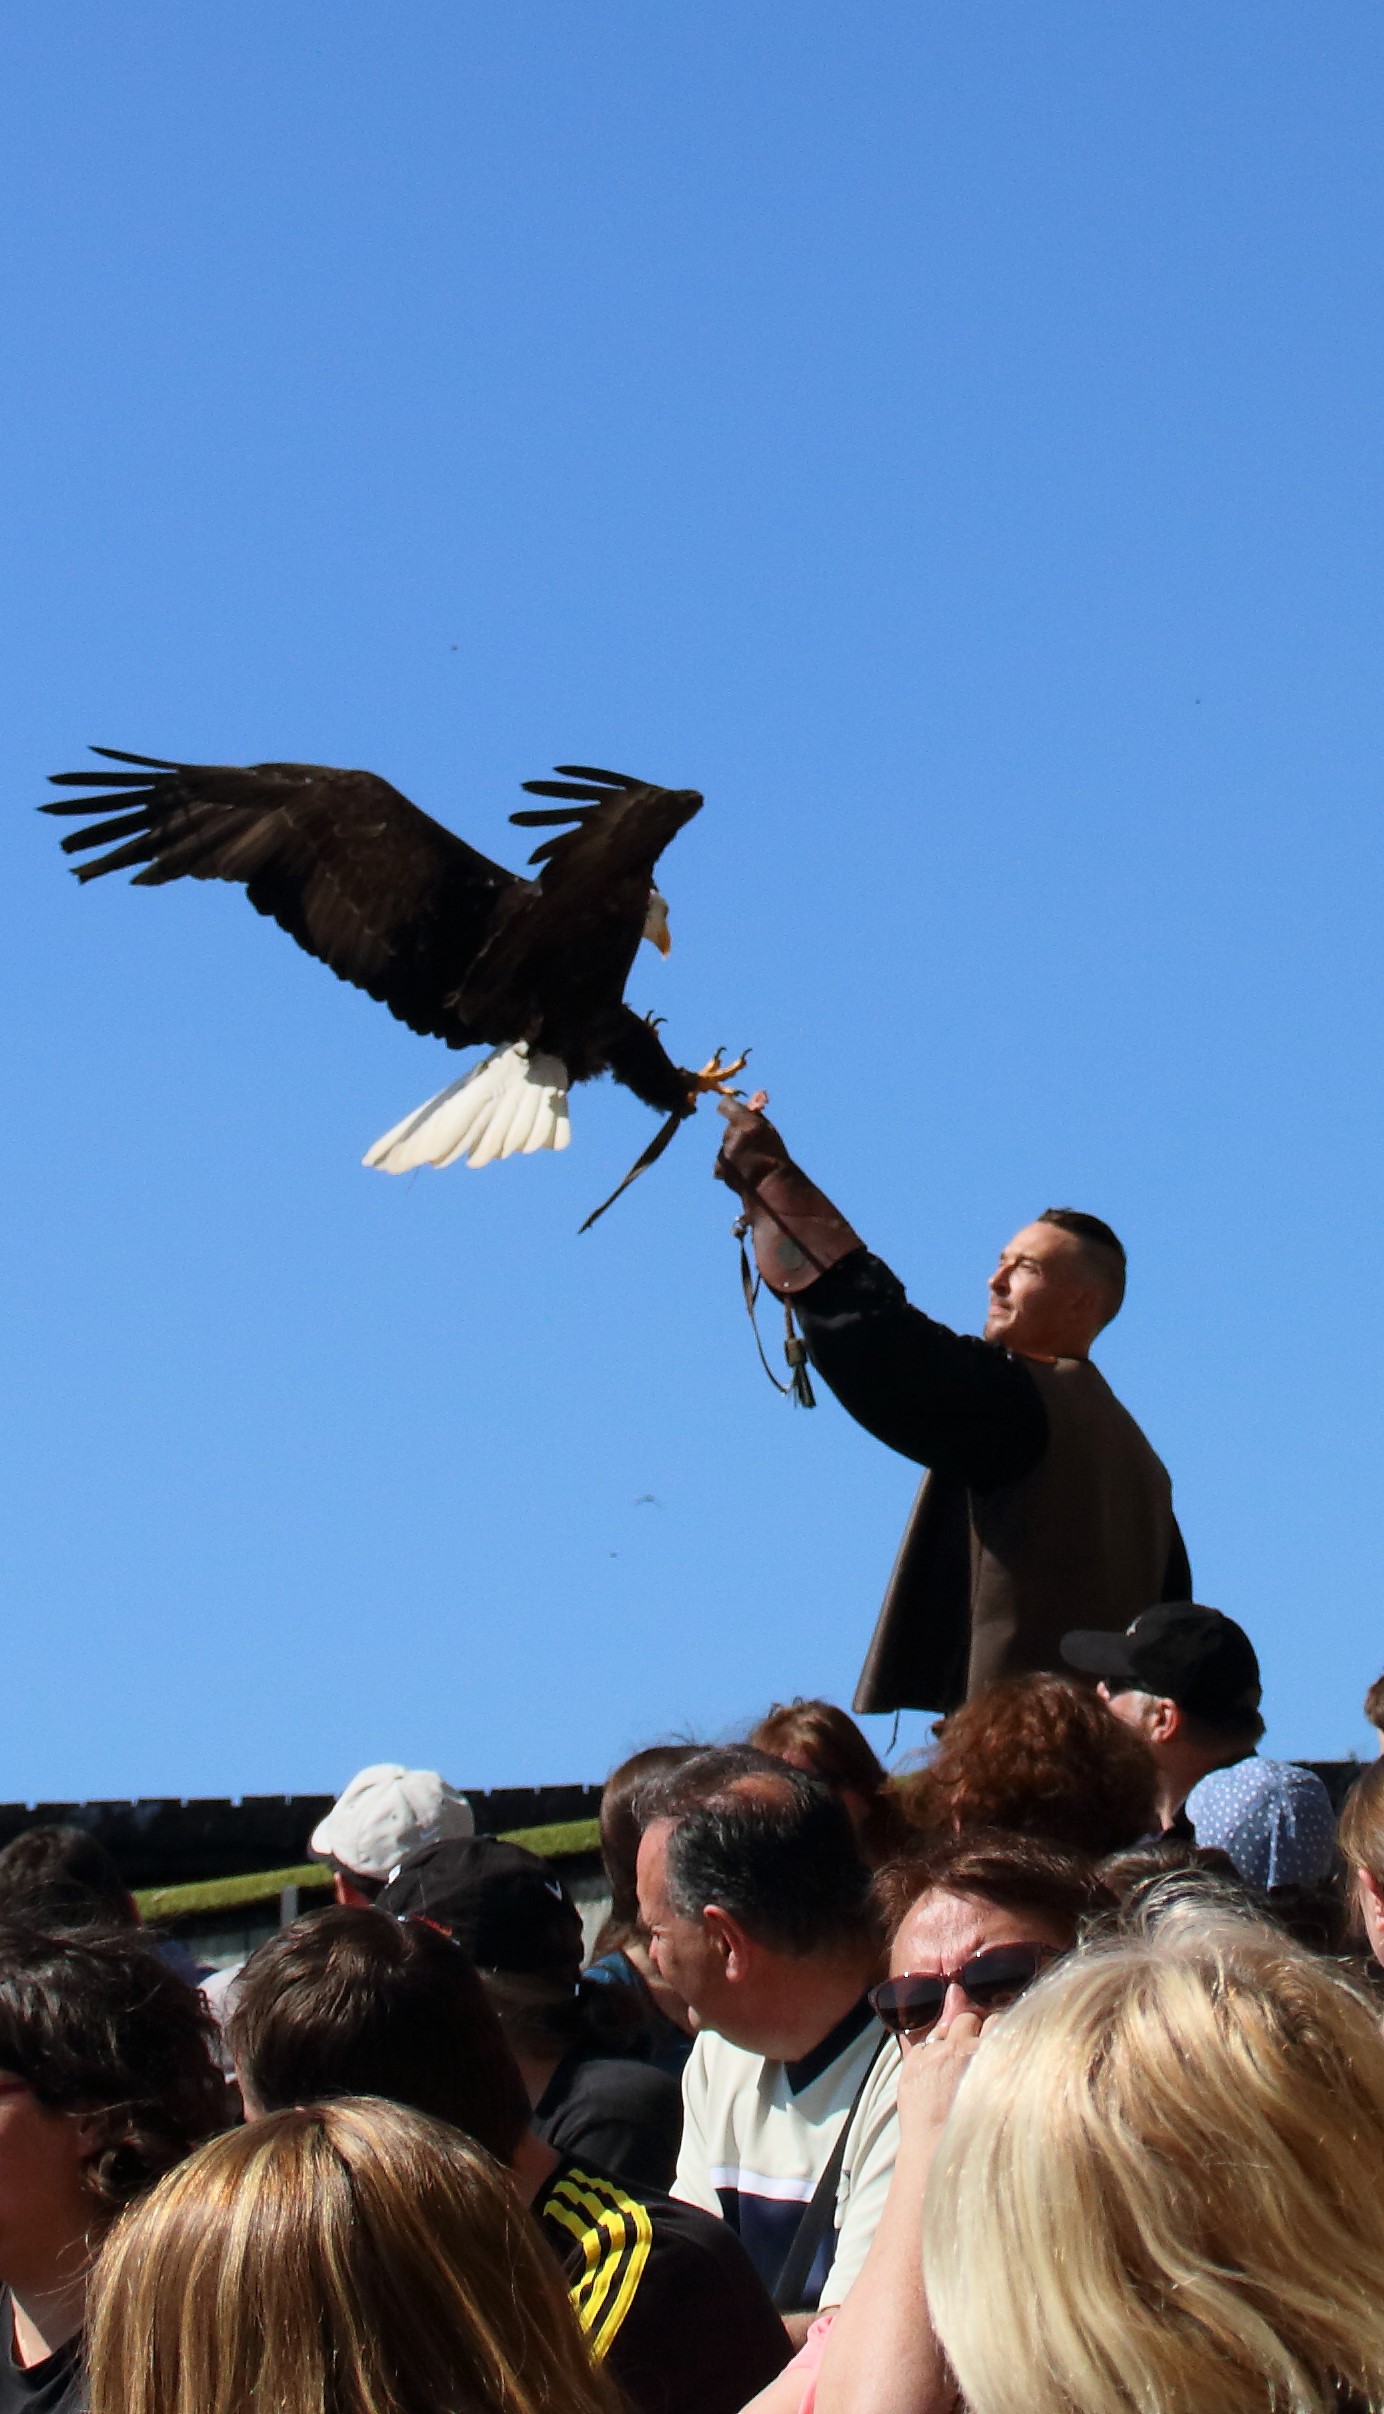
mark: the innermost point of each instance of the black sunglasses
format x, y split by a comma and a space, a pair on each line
988, 1980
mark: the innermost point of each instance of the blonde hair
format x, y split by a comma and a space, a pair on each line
343, 2258
1159, 2188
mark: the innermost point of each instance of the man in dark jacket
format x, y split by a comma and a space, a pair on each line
1044, 1507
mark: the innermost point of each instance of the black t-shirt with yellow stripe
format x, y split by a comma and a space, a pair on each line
665, 2294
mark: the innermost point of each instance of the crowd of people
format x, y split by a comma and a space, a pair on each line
1047, 2073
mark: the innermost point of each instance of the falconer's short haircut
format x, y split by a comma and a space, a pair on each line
1104, 1248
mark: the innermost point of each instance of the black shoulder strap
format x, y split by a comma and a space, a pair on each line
820, 2207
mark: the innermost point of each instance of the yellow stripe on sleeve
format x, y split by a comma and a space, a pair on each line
615, 2234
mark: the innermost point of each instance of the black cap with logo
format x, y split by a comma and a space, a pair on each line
1186, 1654
507, 1907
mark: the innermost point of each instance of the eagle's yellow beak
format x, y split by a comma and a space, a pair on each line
656, 924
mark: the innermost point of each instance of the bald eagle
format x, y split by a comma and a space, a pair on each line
456, 946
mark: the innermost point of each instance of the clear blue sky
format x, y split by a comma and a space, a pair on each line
948, 437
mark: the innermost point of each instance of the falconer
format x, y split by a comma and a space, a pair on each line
1044, 1507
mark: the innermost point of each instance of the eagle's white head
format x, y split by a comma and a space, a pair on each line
656, 924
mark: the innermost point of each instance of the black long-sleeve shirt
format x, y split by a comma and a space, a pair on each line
948, 1400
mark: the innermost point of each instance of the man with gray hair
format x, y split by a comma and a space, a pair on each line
759, 1915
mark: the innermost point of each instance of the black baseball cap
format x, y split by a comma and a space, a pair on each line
508, 1908
1186, 1654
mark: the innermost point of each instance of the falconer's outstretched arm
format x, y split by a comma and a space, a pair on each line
796, 1231
946, 1400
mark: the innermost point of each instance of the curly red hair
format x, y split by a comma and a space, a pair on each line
1038, 1756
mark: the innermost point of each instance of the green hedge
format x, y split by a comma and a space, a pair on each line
558, 1843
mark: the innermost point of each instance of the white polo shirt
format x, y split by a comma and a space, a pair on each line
757, 2135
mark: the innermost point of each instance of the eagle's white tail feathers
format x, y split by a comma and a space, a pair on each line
511, 1105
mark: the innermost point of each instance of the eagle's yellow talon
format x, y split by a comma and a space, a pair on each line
715, 1078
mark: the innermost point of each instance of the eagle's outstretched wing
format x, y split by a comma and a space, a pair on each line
356, 874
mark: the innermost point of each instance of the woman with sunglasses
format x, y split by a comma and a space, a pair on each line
974, 1923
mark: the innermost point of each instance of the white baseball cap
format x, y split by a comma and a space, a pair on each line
386, 1811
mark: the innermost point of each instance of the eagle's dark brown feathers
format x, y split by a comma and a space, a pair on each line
456, 946
356, 874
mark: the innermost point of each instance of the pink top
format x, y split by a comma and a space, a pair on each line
808, 2360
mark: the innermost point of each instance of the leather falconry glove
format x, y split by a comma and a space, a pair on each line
796, 1231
